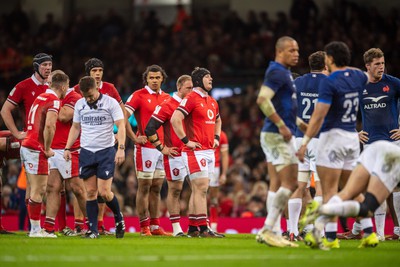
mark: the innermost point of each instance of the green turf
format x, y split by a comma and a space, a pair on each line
234, 250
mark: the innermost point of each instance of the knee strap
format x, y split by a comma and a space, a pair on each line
369, 205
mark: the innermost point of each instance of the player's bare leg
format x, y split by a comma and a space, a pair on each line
78, 188
53, 189
173, 205
154, 207
142, 204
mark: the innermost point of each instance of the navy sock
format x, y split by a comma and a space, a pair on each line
114, 206
92, 210
368, 230
330, 236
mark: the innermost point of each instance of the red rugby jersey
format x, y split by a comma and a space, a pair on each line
25, 92
62, 129
106, 89
142, 103
163, 114
44, 103
201, 112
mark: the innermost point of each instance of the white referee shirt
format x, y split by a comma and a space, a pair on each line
97, 124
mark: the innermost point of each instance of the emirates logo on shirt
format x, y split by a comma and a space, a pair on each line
175, 172
148, 163
203, 162
386, 89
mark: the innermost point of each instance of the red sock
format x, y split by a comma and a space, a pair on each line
100, 224
49, 224
79, 223
62, 213
201, 220
34, 209
154, 221
192, 220
174, 218
144, 222
213, 214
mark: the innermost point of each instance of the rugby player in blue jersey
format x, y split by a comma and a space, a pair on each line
307, 96
335, 117
379, 110
277, 100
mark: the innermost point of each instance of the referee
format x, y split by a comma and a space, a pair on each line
94, 117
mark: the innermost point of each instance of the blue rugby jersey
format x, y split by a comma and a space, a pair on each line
341, 90
379, 108
307, 96
279, 79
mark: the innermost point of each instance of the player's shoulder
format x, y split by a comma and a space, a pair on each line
108, 85
390, 78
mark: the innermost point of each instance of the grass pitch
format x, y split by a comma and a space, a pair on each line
233, 250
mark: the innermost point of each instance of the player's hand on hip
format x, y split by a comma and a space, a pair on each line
301, 152
67, 155
170, 151
119, 157
49, 153
20, 135
363, 136
285, 132
193, 145
141, 139
216, 143
395, 134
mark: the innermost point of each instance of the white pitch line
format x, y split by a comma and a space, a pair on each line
153, 258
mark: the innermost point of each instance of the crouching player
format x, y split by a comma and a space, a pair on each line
377, 173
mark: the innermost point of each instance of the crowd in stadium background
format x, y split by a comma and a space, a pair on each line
234, 50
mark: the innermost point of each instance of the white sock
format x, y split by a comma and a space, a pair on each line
320, 223
213, 226
270, 199
288, 224
277, 206
356, 228
348, 208
308, 228
294, 207
380, 216
35, 226
176, 228
396, 204
277, 229
318, 199
366, 223
396, 230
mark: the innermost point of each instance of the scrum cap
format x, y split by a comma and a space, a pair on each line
197, 76
39, 59
93, 63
